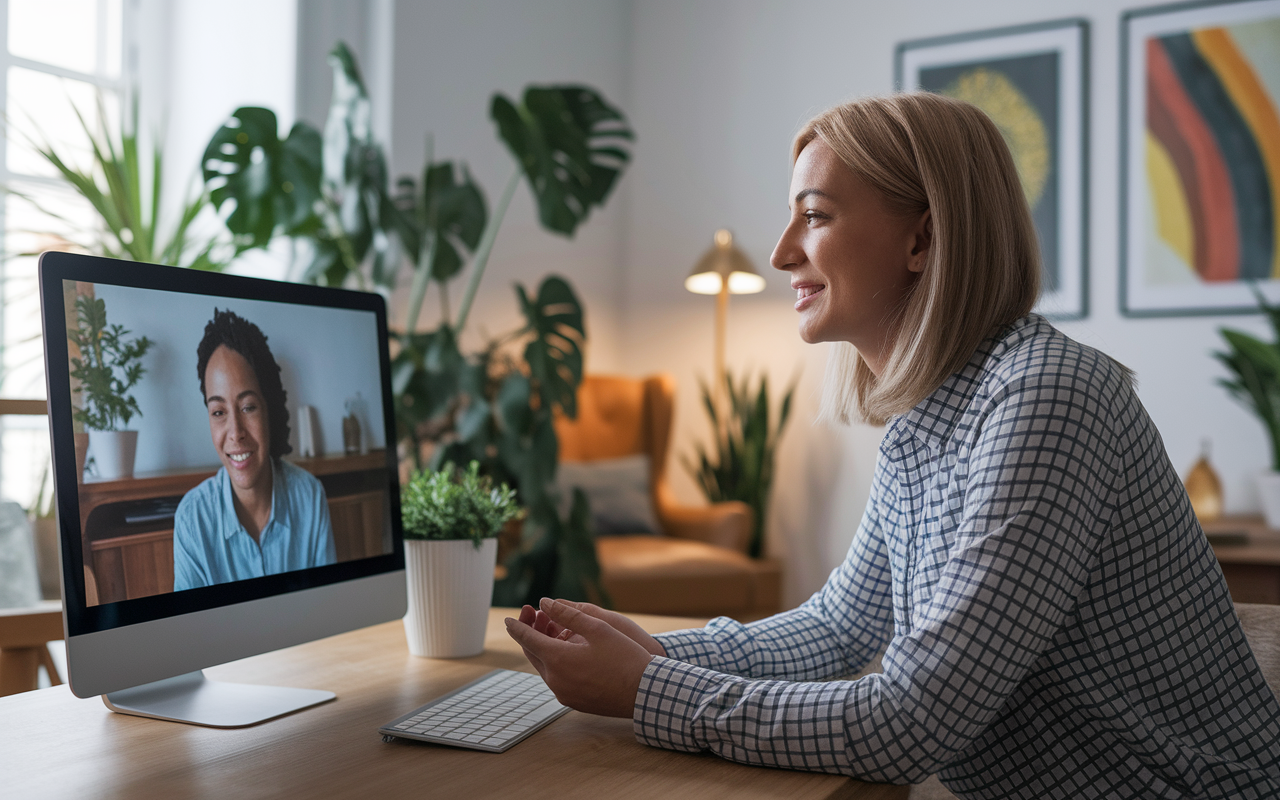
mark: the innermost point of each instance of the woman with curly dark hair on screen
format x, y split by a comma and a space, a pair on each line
259, 515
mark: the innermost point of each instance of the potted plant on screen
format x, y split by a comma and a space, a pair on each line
451, 522
107, 367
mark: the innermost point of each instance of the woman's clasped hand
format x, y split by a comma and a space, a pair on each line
590, 657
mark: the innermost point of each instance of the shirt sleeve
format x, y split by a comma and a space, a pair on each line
325, 550
189, 567
1035, 508
836, 632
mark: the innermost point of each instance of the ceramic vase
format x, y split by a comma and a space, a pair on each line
450, 589
82, 454
113, 453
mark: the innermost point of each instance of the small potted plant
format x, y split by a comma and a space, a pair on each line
108, 367
451, 522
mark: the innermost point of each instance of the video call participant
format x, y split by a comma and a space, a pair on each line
1054, 622
259, 515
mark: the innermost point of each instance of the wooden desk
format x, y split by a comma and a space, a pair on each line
1251, 566
53, 745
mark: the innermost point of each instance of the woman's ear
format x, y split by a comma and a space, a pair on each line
922, 240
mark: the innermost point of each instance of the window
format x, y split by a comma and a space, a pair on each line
64, 69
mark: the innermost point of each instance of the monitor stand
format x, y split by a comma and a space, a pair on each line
193, 699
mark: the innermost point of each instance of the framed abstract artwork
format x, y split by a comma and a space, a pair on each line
1200, 158
1032, 80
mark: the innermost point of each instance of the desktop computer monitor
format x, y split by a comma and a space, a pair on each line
252, 501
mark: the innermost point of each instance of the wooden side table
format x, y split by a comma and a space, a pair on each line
1249, 554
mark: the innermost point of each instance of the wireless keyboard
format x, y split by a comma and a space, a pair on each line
492, 713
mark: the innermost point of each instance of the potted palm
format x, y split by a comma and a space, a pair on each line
108, 367
451, 522
1255, 381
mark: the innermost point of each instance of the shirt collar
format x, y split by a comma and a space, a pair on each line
279, 501
933, 419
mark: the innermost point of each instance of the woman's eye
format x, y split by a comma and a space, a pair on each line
812, 217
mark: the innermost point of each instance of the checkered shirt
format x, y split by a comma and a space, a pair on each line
1056, 623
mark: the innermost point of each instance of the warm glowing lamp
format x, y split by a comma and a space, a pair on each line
722, 271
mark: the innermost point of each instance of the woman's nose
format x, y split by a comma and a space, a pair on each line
786, 252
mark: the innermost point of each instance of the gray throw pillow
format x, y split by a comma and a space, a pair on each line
618, 489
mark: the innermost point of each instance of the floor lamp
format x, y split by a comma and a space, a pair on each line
723, 270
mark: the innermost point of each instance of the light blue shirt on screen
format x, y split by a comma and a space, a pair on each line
211, 546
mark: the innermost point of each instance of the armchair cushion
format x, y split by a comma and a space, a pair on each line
618, 490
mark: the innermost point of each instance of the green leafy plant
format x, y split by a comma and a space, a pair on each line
108, 367
1255, 374
745, 440
129, 201
330, 193
453, 504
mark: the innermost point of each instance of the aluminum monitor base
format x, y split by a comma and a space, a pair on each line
193, 699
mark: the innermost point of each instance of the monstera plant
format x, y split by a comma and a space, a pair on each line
330, 193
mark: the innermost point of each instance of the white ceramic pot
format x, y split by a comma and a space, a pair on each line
113, 453
450, 589
1269, 494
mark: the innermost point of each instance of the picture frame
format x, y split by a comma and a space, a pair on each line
1033, 81
1200, 158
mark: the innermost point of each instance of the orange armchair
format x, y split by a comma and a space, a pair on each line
698, 566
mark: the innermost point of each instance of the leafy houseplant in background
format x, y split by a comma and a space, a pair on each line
451, 521
108, 367
1255, 382
123, 186
745, 442
330, 193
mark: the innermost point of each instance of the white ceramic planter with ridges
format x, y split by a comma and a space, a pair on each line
450, 589
113, 453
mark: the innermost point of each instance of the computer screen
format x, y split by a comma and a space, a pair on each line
224, 454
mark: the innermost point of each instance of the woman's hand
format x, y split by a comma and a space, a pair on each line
588, 663
540, 622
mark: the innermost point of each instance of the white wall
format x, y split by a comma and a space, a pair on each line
718, 89
199, 61
323, 354
449, 60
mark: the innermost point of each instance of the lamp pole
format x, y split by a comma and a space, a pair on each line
723, 270
722, 323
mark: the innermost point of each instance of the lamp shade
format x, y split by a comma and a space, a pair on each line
724, 262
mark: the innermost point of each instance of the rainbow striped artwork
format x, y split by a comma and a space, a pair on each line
1201, 199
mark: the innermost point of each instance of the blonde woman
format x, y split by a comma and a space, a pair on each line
1055, 621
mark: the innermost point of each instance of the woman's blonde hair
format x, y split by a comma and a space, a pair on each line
921, 152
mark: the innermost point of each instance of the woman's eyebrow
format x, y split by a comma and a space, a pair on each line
803, 193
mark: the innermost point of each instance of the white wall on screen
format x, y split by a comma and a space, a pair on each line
325, 355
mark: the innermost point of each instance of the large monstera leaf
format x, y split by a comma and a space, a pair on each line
555, 354
571, 145
275, 183
452, 210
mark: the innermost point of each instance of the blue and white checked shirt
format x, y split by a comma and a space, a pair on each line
1057, 625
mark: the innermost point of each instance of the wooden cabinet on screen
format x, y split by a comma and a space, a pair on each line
127, 525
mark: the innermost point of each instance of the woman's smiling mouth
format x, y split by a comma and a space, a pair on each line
805, 292
239, 458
